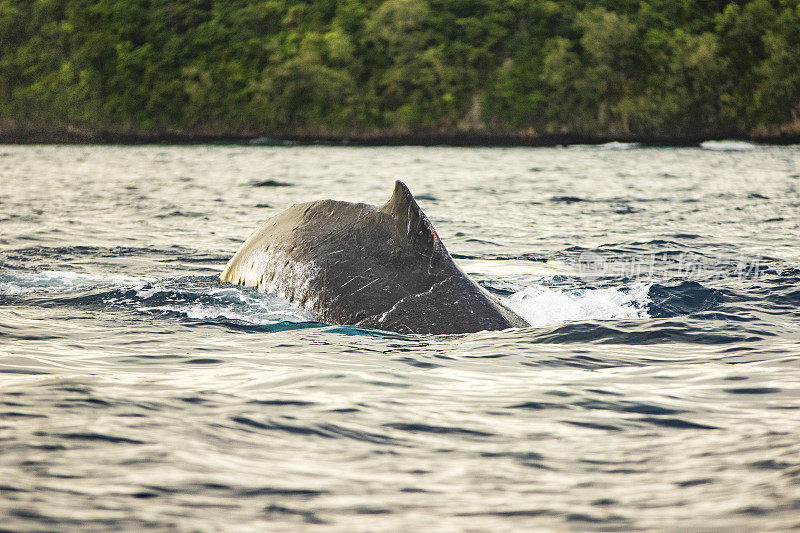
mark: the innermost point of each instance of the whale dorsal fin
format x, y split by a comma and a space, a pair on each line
411, 221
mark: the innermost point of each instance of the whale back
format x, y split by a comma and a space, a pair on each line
378, 267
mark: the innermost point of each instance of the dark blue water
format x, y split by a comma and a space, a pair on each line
658, 386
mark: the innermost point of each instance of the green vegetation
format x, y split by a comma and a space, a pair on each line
377, 67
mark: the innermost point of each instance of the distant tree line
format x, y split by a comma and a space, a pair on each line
366, 67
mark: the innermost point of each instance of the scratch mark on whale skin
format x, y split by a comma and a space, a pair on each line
365, 286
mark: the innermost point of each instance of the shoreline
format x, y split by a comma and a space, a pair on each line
74, 136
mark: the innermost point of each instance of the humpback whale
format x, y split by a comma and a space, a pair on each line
380, 267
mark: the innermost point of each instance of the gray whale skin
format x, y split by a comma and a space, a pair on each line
374, 267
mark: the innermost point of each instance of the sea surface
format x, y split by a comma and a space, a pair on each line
658, 387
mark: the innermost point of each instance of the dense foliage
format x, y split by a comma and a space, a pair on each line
361, 67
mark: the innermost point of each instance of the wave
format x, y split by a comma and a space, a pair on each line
194, 298
558, 301
50, 281
227, 304
613, 145
728, 146
203, 298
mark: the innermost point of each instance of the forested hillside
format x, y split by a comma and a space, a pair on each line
622, 68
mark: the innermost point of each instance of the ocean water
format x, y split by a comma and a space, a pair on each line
658, 387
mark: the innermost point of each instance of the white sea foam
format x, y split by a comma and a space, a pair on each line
613, 145
237, 304
541, 306
18, 283
728, 146
272, 311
